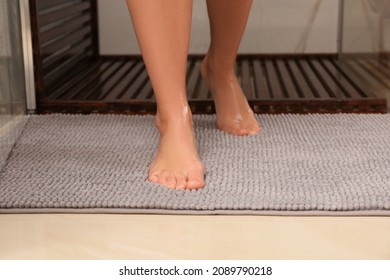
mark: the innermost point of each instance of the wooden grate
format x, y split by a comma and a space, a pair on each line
272, 84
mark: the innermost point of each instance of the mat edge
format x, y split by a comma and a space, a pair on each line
195, 212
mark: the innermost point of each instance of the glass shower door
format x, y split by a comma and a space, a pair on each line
365, 45
12, 77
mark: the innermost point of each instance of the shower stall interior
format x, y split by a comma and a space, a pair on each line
71, 76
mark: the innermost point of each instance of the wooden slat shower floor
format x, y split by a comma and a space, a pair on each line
273, 84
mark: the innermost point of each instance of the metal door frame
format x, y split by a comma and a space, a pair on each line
25, 25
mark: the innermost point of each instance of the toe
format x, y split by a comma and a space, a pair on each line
243, 131
153, 177
180, 182
239, 131
163, 178
195, 180
235, 130
254, 129
195, 184
171, 181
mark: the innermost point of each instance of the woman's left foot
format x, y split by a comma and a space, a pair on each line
234, 114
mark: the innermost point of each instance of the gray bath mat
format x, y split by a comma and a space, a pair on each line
325, 164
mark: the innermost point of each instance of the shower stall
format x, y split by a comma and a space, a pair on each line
314, 56
72, 75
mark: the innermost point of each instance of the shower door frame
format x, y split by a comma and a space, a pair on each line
25, 23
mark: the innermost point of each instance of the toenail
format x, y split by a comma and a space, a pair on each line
197, 183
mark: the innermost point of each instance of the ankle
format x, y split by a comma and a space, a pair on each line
213, 66
183, 116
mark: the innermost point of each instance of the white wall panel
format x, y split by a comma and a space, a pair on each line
275, 26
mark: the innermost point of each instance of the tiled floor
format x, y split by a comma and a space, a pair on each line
97, 236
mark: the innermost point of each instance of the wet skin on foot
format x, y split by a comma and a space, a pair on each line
234, 114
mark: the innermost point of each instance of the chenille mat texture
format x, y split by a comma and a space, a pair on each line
315, 164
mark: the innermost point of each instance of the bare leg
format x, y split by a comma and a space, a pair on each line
227, 24
162, 28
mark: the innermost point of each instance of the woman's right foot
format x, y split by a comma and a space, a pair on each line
177, 164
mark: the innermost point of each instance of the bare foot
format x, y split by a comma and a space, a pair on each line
234, 114
177, 164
